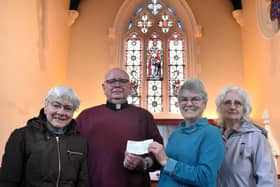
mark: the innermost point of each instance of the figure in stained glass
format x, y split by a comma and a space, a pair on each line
155, 36
154, 66
154, 60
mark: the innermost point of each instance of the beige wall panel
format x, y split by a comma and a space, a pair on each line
33, 58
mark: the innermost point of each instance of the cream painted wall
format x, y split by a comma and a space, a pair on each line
262, 67
26, 75
220, 57
90, 48
89, 56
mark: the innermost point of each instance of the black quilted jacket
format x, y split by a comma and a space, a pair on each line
35, 157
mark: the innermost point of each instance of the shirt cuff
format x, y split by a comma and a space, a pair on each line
169, 168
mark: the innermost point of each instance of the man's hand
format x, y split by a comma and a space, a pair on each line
132, 161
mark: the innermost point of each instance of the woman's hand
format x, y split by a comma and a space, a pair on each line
158, 150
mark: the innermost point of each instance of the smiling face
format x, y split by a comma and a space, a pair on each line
232, 107
191, 105
116, 86
59, 112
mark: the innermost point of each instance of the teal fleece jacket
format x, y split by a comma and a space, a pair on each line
195, 153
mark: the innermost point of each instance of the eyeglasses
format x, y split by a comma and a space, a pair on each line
194, 100
56, 105
235, 103
113, 81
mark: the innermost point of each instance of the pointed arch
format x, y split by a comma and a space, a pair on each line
184, 12
156, 89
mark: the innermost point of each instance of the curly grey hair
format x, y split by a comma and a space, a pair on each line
244, 96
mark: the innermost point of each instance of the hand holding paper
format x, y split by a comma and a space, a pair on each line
138, 147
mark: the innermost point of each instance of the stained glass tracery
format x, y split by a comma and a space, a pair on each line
144, 23
165, 23
153, 39
154, 7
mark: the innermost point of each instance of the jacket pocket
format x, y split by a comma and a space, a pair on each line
76, 159
74, 153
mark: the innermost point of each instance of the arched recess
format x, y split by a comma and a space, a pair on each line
192, 32
184, 12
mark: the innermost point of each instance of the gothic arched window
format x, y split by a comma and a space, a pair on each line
154, 56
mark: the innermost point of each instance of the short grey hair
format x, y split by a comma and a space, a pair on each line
194, 84
63, 92
245, 97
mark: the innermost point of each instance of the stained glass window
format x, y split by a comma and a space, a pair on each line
154, 73
154, 58
155, 37
133, 66
176, 69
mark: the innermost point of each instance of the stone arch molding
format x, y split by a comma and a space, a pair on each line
193, 31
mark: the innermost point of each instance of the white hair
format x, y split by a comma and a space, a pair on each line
63, 92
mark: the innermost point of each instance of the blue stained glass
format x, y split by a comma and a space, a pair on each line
139, 9
129, 25
180, 25
170, 9
154, 6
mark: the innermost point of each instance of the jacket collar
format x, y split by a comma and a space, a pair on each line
40, 123
246, 127
202, 122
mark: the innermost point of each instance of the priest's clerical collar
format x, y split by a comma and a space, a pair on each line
116, 107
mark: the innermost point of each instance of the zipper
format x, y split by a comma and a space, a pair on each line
59, 161
74, 153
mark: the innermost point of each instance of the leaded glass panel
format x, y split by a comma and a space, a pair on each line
155, 96
139, 9
133, 67
156, 25
155, 58
180, 25
154, 7
176, 69
144, 23
170, 9
165, 23
130, 23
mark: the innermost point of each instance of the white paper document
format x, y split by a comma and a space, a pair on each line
138, 147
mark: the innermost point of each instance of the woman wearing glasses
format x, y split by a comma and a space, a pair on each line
195, 150
48, 151
248, 161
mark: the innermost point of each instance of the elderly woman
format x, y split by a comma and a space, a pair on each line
248, 160
48, 151
195, 150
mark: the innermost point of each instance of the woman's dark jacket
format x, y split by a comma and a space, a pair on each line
36, 157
